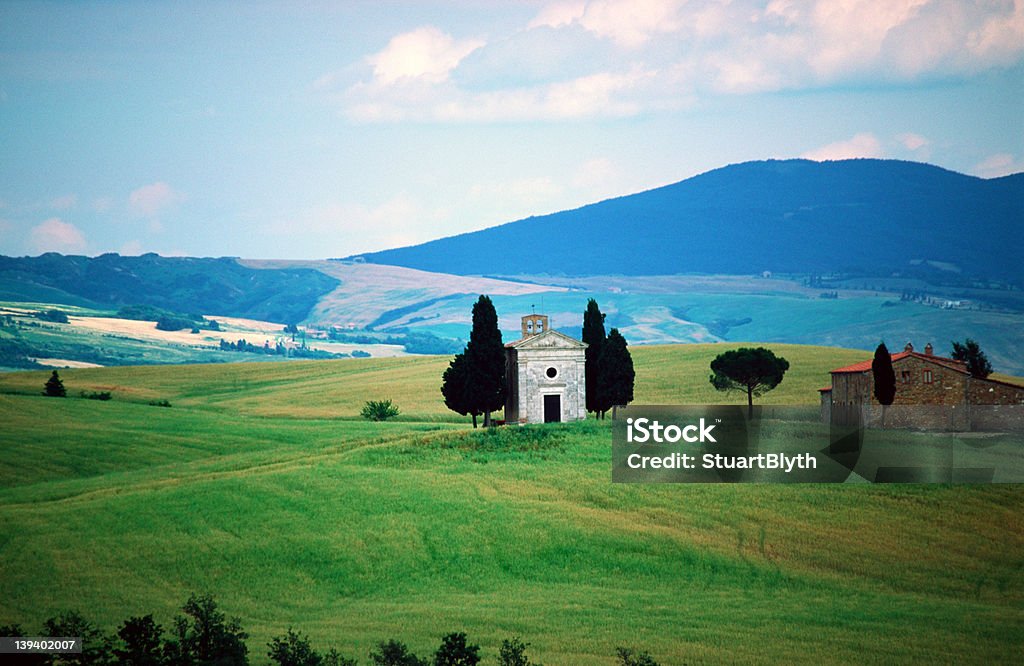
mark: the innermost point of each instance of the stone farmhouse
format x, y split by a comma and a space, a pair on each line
545, 375
932, 393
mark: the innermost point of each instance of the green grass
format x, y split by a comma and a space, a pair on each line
260, 487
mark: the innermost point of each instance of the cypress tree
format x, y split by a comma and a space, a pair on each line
55, 387
884, 378
594, 336
453, 387
485, 358
615, 374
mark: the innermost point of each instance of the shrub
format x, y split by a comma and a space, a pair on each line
513, 653
630, 657
142, 640
96, 646
205, 636
54, 387
359, 353
98, 395
454, 651
56, 316
379, 410
293, 649
173, 323
159, 403
395, 653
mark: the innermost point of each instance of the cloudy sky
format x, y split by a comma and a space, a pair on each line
323, 129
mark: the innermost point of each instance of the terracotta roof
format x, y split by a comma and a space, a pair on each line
865, 366
822, 390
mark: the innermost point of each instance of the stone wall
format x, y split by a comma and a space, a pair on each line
533, 383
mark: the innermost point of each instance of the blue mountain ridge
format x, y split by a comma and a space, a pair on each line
793, 216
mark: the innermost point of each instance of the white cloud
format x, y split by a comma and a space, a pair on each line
631, 23
613, 58
864, 144
1000, 164
603, 94
55, 235
558, 14
151, 200
425, 53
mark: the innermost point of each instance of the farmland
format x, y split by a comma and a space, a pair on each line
261, 486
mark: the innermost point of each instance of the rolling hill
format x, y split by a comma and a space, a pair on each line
181, 284
261, 487
795, 216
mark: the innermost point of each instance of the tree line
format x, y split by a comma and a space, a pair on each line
203, 635
475, 381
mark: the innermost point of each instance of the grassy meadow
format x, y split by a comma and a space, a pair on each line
261, 486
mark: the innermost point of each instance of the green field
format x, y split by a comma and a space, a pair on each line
262, 487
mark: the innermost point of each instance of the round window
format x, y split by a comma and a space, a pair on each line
551, 373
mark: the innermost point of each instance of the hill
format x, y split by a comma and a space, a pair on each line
794, 216
182, 284
259, 488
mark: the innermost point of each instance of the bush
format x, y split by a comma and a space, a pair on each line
454, 651
159, 403
513, 653
142, 640
173, 323
359, 353
394, 653
293, 649
379, 410
54, 387
96, 646
630, 657
56, 316
205, 636
98, 395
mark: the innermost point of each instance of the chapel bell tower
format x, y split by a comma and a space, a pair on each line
534, 324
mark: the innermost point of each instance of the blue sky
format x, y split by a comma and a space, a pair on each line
323, 129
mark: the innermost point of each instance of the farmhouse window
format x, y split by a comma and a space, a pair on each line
905, 376
927, 376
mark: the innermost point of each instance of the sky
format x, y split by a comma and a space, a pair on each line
305, 130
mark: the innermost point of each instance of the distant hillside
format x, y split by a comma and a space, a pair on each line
183, 284
859, 216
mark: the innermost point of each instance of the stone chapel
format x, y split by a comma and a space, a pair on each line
545, 373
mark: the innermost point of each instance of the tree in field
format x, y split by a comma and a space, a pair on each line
204, 635
485, 360
885, 378
453, 387
615, 374
55, 387
753, 371
970, 353
454, 651
96, 646
142, 641
594, 336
